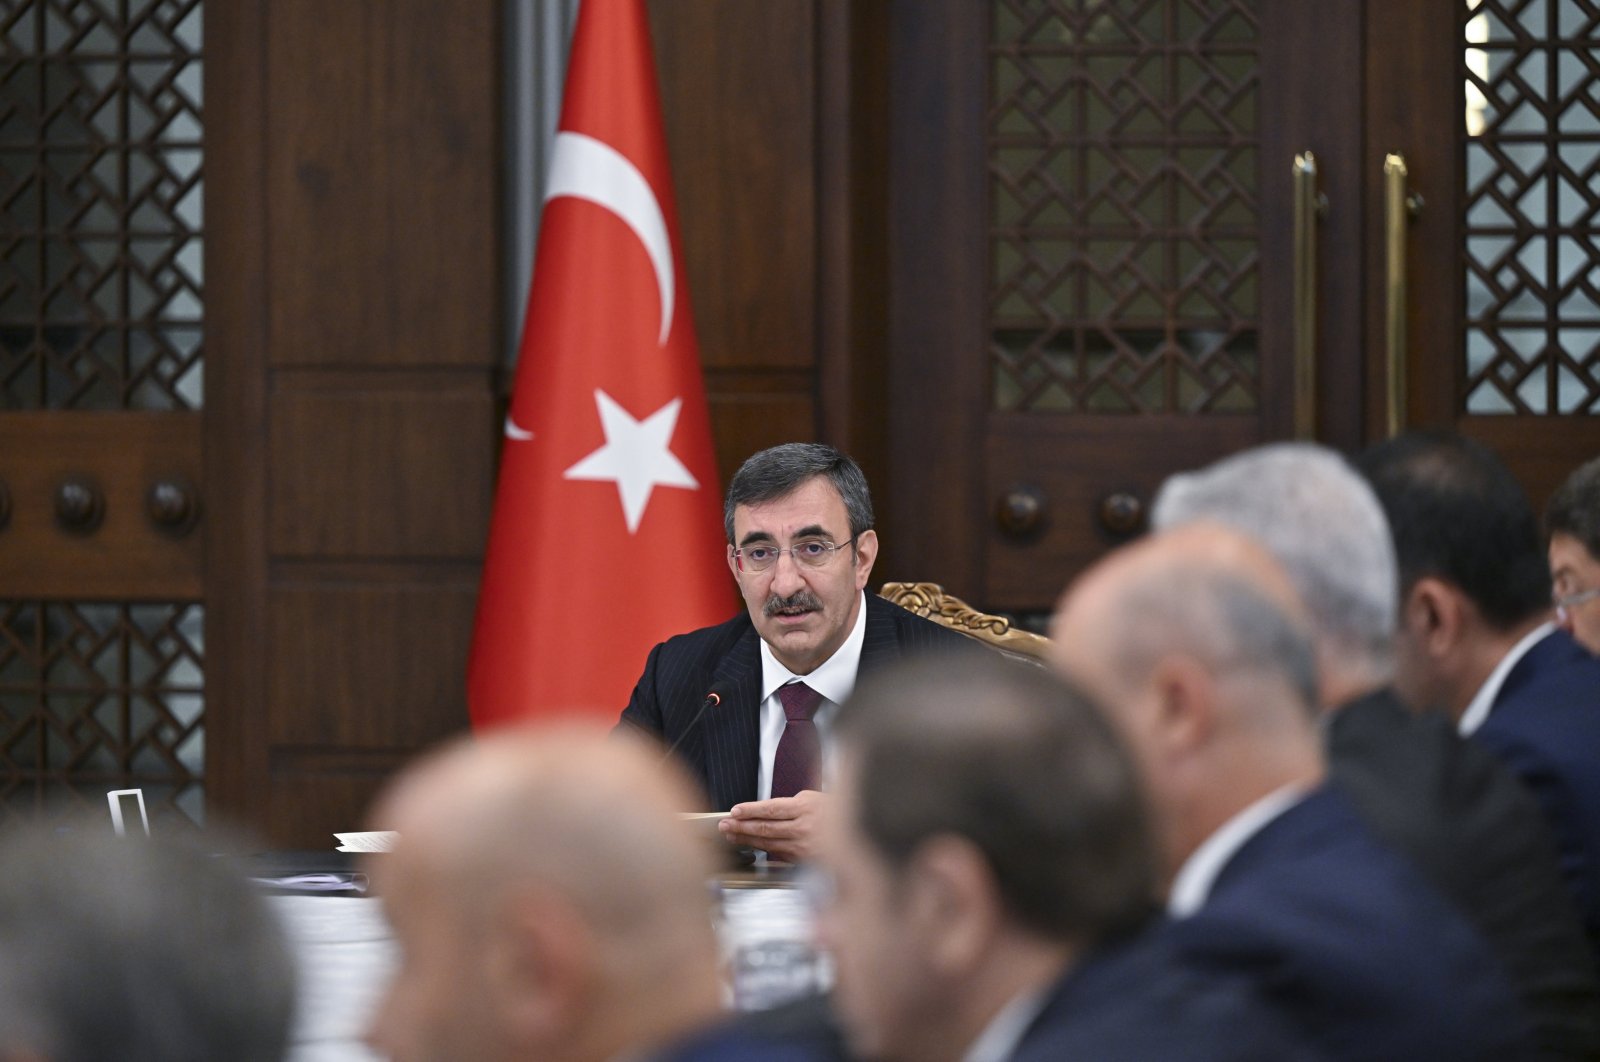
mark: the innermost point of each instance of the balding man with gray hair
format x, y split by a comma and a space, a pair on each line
1198, 645
1446, 804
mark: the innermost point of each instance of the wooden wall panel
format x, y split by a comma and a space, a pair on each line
345, 670
738, 90
381, 475
324, 795
382, 181
362, 151
744, 91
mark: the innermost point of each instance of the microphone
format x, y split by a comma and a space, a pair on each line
713, 698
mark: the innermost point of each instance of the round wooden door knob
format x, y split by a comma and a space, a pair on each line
1121, 513
80, 507
173, 505
1021, 511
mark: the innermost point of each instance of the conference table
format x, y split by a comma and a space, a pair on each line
346, 953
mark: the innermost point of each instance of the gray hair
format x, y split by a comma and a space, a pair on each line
1021, 766
1323, 524
779, 470
135, 951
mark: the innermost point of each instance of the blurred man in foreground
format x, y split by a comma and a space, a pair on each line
1199, 646
1436, 798
1477, 640
989, 885
547, 901
123, 950
1572, 523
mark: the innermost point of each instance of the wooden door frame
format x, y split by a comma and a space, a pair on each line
235, 417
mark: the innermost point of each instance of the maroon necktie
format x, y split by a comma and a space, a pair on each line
798, 761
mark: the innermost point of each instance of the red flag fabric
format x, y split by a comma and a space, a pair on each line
607, 528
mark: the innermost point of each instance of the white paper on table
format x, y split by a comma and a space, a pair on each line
345, 953
316, 882
371, 841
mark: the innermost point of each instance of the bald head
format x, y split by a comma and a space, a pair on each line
1198, 646
543, 880
1202, 591
570, 807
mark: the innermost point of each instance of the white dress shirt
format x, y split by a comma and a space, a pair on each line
1192, 887
1478, 710
1000, 1038
834, 678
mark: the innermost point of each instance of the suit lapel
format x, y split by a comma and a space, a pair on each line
880, 644
733, 728
1546, 654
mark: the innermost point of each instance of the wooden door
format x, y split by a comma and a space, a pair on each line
1094, 273
1495, 108
1089, 285
102, 357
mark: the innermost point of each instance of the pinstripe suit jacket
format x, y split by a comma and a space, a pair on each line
723, 749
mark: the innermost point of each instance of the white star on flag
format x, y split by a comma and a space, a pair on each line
635, 457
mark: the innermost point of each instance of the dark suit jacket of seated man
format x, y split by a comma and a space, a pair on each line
800, 545
722, 750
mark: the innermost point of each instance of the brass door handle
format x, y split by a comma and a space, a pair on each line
1399, 207
1309, 206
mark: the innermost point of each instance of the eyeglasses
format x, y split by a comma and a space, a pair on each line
1565, 603
811, 552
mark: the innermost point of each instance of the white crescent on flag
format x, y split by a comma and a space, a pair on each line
586, 168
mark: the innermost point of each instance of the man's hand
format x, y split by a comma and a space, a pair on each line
782, 827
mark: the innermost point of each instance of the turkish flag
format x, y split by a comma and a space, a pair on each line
607, 530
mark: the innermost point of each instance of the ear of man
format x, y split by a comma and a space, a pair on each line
1185, 698
1436, 614
954, 905
866, 552
542, 966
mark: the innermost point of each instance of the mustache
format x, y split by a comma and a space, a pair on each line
799, 599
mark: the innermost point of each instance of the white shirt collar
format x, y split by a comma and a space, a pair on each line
999, 1039
1477, 712
835, 677
1192, 887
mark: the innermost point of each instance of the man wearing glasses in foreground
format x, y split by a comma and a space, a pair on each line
748, 704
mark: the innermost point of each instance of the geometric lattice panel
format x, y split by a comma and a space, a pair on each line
100, 204
97, 696
1532, 195
1123, 154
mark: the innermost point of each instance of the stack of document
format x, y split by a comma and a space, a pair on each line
320, 881
372, 841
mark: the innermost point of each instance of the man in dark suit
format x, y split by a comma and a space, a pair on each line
1445, 803
986, 879
1198, 645
1476, 640
748, 704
